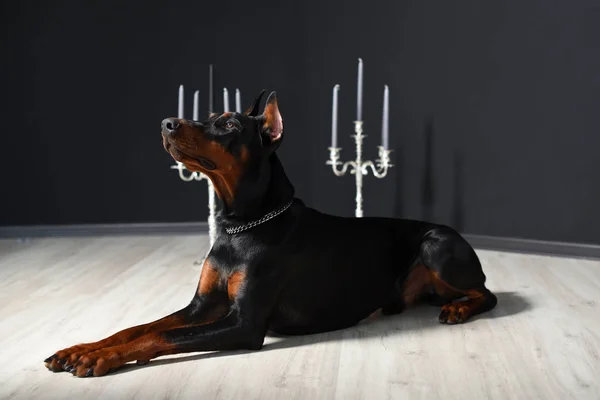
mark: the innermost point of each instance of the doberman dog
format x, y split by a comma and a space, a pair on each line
279, 265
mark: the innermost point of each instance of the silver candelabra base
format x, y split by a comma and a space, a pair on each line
358, 166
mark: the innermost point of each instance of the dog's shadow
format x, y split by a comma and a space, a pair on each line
417, 318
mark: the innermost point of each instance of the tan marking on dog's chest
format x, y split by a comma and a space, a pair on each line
235, 283
209, 279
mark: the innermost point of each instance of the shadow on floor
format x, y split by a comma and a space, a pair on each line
418, 318
509, 303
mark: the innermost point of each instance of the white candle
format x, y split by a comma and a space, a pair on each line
225, 100
195, 115
210, 89
238, 101
385, 123
359, 90
180, 104
334, 116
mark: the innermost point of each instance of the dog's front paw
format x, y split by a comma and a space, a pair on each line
64, 360
96, 363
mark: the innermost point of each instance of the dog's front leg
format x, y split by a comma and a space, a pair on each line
64, 359
229, 333
206, 306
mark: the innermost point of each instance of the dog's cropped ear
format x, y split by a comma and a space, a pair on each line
272, 123
253, 110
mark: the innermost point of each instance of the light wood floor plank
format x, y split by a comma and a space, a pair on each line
541, 342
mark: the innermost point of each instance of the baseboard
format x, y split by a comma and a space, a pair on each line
31, 231
521, 245
477, 241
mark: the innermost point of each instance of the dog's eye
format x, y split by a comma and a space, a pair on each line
229, 125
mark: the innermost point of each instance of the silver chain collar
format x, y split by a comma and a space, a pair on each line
262, 220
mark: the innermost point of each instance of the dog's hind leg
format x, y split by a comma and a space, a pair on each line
455, 273
415, 287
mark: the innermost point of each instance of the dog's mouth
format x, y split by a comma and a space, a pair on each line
180, 155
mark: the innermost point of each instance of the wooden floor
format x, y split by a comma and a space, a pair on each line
541, 342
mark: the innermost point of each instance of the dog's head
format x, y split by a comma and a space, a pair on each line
225, 145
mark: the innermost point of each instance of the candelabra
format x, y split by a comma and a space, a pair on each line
359, 167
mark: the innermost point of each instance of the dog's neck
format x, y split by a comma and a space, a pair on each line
262, 189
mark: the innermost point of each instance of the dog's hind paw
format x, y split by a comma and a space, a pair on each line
454, 313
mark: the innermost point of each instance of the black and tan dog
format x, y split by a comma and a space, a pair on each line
279, 265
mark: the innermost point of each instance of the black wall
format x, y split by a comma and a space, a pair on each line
493, 106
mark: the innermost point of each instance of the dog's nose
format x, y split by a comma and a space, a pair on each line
170, 125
